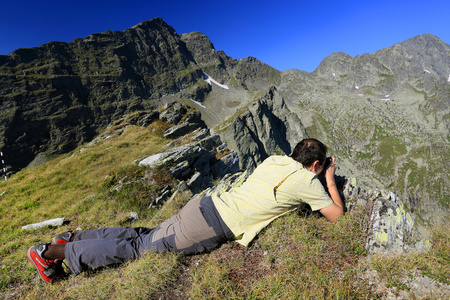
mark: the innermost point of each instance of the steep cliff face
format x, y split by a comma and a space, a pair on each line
266, 127
58, 96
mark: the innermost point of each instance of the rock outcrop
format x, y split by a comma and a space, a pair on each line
267, 127
391, 227
196, 163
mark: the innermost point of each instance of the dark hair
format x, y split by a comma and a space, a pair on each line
307, 151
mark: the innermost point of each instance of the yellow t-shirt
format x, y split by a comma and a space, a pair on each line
250, 207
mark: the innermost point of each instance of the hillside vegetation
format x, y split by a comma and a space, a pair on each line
299, 256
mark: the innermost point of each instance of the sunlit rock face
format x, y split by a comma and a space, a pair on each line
390, 226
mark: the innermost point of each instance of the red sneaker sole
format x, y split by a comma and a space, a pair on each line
34, 264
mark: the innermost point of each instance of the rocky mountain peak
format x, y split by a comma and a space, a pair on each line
205, 55
155, 23
421, 62
59, 95
423, 55
337, 63
424, 42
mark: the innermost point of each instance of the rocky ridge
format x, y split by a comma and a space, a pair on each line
60, 95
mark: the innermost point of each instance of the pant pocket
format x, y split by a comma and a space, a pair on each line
205, 216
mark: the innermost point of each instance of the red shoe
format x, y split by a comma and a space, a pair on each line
49, 270
62, 238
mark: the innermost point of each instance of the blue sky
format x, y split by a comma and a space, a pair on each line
283, 34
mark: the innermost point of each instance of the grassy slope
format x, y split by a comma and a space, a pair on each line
295, 257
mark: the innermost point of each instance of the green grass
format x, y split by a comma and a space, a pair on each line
296, 257
72, 187
390, 149
434, 264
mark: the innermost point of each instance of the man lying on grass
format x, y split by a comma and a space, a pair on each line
277, 186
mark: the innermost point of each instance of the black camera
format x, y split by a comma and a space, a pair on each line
325, 167
327, 163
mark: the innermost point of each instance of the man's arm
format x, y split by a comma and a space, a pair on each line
336, 209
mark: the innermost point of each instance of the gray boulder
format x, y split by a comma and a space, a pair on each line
229, 164
195, 163
173, 112
391, 227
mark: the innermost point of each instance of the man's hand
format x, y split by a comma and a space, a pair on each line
331, 170
336, 209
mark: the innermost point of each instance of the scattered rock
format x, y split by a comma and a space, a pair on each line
132, 216
191, 122
195, 162
53, 222
173, 112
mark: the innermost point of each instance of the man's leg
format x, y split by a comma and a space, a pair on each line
111, 233
100, 247
49, 270
95, 253
197, 228
55, 252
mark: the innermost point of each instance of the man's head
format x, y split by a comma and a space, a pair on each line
311, 153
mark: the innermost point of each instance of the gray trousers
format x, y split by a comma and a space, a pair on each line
197, 228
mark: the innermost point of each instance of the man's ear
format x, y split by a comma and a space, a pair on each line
315, 166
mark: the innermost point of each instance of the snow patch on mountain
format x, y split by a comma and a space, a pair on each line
209, 80
198, 103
